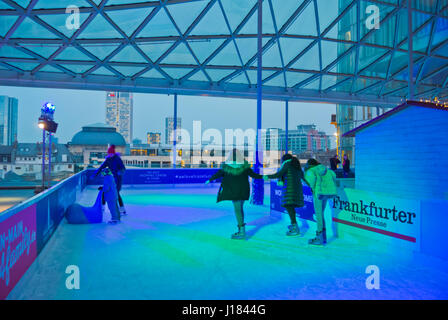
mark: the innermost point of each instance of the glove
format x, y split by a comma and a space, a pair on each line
207, 182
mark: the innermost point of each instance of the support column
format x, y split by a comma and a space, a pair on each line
49, 159
286, 125
43, 159
175, 132
410, 49
257, 184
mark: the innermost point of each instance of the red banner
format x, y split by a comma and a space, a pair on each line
17, 248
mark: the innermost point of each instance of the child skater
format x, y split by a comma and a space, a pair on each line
291, 173
110, 195
235, 187
323, 184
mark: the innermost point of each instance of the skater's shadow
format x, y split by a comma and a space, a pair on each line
260, 223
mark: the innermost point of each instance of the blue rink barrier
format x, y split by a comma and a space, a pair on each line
306, 212
157, 176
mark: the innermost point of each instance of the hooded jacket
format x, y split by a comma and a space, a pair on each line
115, 164
235, 181
321, 180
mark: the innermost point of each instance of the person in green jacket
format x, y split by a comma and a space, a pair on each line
323, 185
291, 175
235, 173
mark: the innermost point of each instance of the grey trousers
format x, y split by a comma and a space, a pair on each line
319, 208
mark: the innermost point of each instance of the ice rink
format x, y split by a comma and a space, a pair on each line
175, 244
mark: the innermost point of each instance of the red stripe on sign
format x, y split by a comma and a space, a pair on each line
387, 233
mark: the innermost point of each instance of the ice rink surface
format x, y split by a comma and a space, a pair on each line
175, 244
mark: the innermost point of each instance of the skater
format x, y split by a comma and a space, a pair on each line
291, 173
323, 185
110, 195
346, 166
115, 164
334, 161
235, 174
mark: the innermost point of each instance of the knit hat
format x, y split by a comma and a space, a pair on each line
111, 149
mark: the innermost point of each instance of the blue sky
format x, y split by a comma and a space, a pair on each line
76, 108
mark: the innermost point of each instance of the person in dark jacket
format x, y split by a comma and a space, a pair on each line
116, 166
334, 163
346, 166
291, 175
235, 187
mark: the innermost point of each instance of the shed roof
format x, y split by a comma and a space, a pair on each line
389, 113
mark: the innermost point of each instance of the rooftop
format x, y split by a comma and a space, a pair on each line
313, 50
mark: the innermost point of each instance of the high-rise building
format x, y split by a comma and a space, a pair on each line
169, 128
154, 138
119, 110
8, 120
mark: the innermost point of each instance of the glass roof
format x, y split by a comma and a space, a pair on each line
321, 50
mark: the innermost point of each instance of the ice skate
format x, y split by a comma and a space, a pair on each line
241, 234
293, 230
113, 222
318, 240
123, 211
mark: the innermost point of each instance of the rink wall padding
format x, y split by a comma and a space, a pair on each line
27, 227
157, 176
384, 219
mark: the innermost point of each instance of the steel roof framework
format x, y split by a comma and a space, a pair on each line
187, 71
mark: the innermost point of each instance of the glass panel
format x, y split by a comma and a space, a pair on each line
177, 73
344, 86
251, 26
368, 55
59, 22
346, 65
313, 85
198, 76
23, 3
49, 68
185, 13
367, 18
305, 24
10, 52
293, 78
77, 68
129, 20
329, 52
153, 73
309, 61
99, 28
24, 65
159, 26
362, 83
218, 74
241, 79
252, 74
345, 29
43, 51
155, 49
277, 81
6, 22
227, 56
291, 47
441, 32
236, 11
4, 6
204, 48
212, 23
101, 51
72, 53
104, 72
128, 54
378, 69
271, 57
30, 29
128, 71
49, 4
180, 55
328, 11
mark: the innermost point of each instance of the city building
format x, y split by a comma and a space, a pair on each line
8, 120
89, 146
169, 128
306, 138
119, 113
154, 138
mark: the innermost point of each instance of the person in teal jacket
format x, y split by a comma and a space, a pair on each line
235, 173
322, 181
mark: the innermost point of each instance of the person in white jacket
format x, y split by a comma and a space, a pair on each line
322, 181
